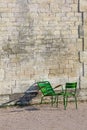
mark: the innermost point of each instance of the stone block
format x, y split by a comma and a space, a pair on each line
74, 7
83, 5
69, 1
81, 31
83, 56
66, 9
4, 99
2, 74
5, 9
79, 45
82, 96
85, 44
85, 32
75, 1
3, 5
54, 8
9, 1
74, 79
22, 85
33, 7
85, 19
5, 87
85, 69
83, 82
74, 33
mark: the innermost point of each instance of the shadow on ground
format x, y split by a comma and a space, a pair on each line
27, 97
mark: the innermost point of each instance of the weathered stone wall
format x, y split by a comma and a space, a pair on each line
42, 40
83, 53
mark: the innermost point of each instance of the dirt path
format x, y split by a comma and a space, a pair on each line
44, 117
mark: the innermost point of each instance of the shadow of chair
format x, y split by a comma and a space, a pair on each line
29, 94
26, 97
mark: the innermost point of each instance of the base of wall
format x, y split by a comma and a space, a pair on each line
6, 100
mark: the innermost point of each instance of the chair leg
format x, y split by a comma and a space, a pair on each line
41, 100
52, 100
57, 101
76, 102
64, 101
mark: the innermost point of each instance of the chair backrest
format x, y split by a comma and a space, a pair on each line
46, 88
71, 86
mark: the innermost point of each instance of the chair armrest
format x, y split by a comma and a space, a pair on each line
58, 86
62, 87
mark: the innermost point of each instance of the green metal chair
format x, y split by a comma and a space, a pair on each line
47, 90
70, 91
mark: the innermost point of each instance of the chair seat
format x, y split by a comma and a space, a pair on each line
70, 94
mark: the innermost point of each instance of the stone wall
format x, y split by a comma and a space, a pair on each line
42, 40
83, 53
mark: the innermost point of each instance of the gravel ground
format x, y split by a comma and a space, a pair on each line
44, 117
